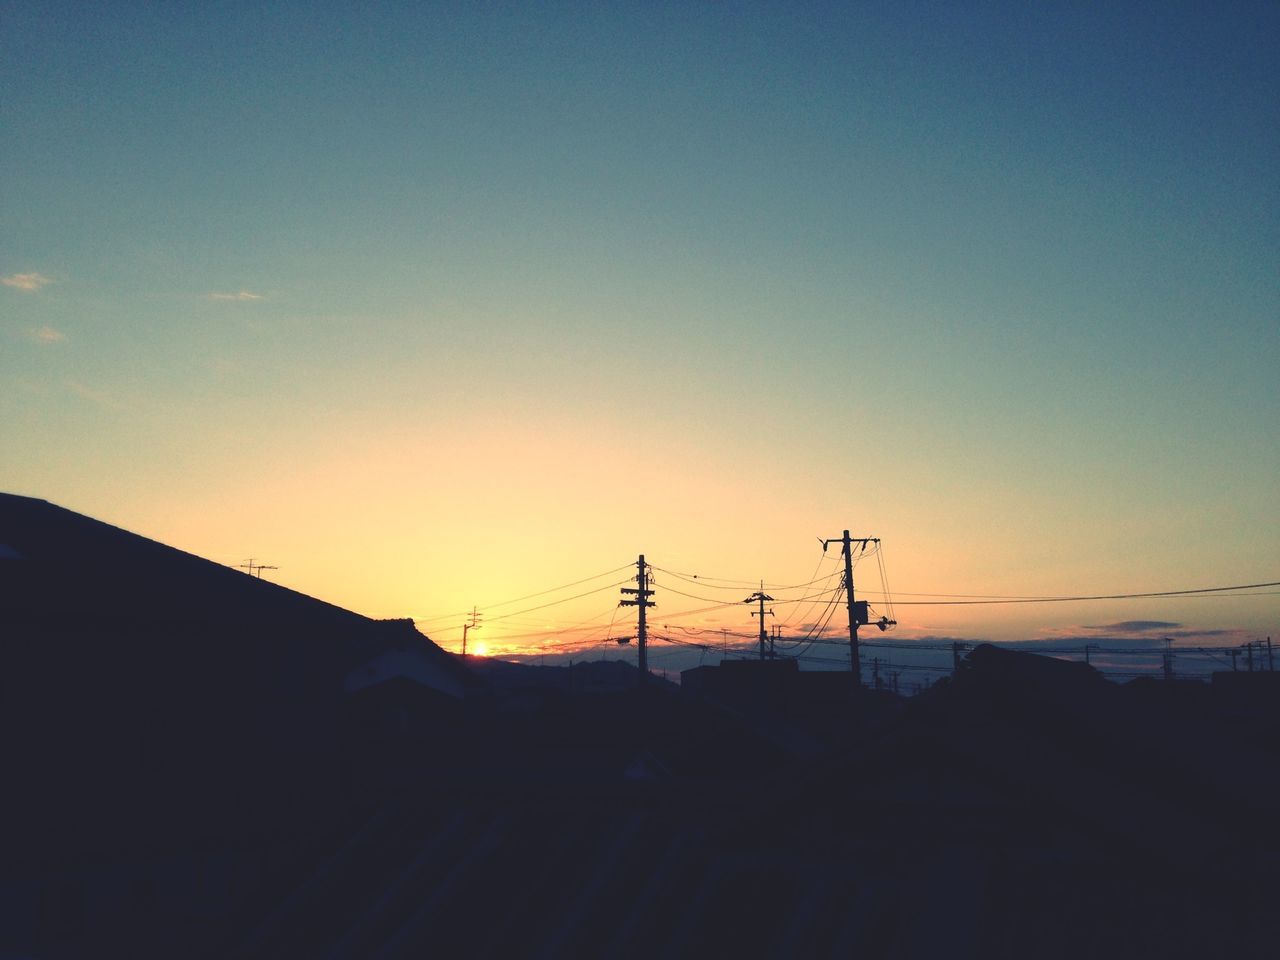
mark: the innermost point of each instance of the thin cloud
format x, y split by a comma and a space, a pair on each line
242, 296
93, 396
28, 282
48, 335
1134, 626
1069, 639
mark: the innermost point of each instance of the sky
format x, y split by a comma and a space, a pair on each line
432, 305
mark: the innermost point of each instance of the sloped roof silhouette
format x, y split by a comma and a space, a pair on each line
80, 567
74, 573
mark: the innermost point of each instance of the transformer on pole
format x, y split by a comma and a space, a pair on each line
857, 610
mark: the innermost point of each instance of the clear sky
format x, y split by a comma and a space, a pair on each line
433, 306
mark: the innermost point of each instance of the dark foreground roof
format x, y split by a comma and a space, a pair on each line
77, 571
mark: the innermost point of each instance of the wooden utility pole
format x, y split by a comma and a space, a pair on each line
472, 624
642, 593
855, 609
761, 597
854, 660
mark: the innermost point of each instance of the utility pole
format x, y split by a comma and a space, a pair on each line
760, 596
1249, 651
1233, 653
1271, 660
255, 569
1087, 648
875, 672
847, 543
957, 648
1168, 658
642, 593
472, 624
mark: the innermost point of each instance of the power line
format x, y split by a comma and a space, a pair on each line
696, 610
729, 603
527, 596
1109, 596
607, 586
832, 605
884, 584
563, 586
579, 627
700, 580
722, 603
811, 601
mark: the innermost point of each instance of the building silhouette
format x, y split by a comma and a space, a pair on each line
200, 763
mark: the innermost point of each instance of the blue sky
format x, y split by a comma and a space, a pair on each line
995, 282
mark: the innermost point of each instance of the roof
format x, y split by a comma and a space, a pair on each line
74, 575
79, 568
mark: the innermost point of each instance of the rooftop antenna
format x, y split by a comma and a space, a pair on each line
255, 569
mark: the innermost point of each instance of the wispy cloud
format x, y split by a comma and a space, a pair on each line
93, 396
48, 335
242, 296
30, 282
1134, 626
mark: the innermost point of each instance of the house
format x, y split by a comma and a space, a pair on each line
165, 717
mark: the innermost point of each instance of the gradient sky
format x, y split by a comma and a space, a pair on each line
434, 306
